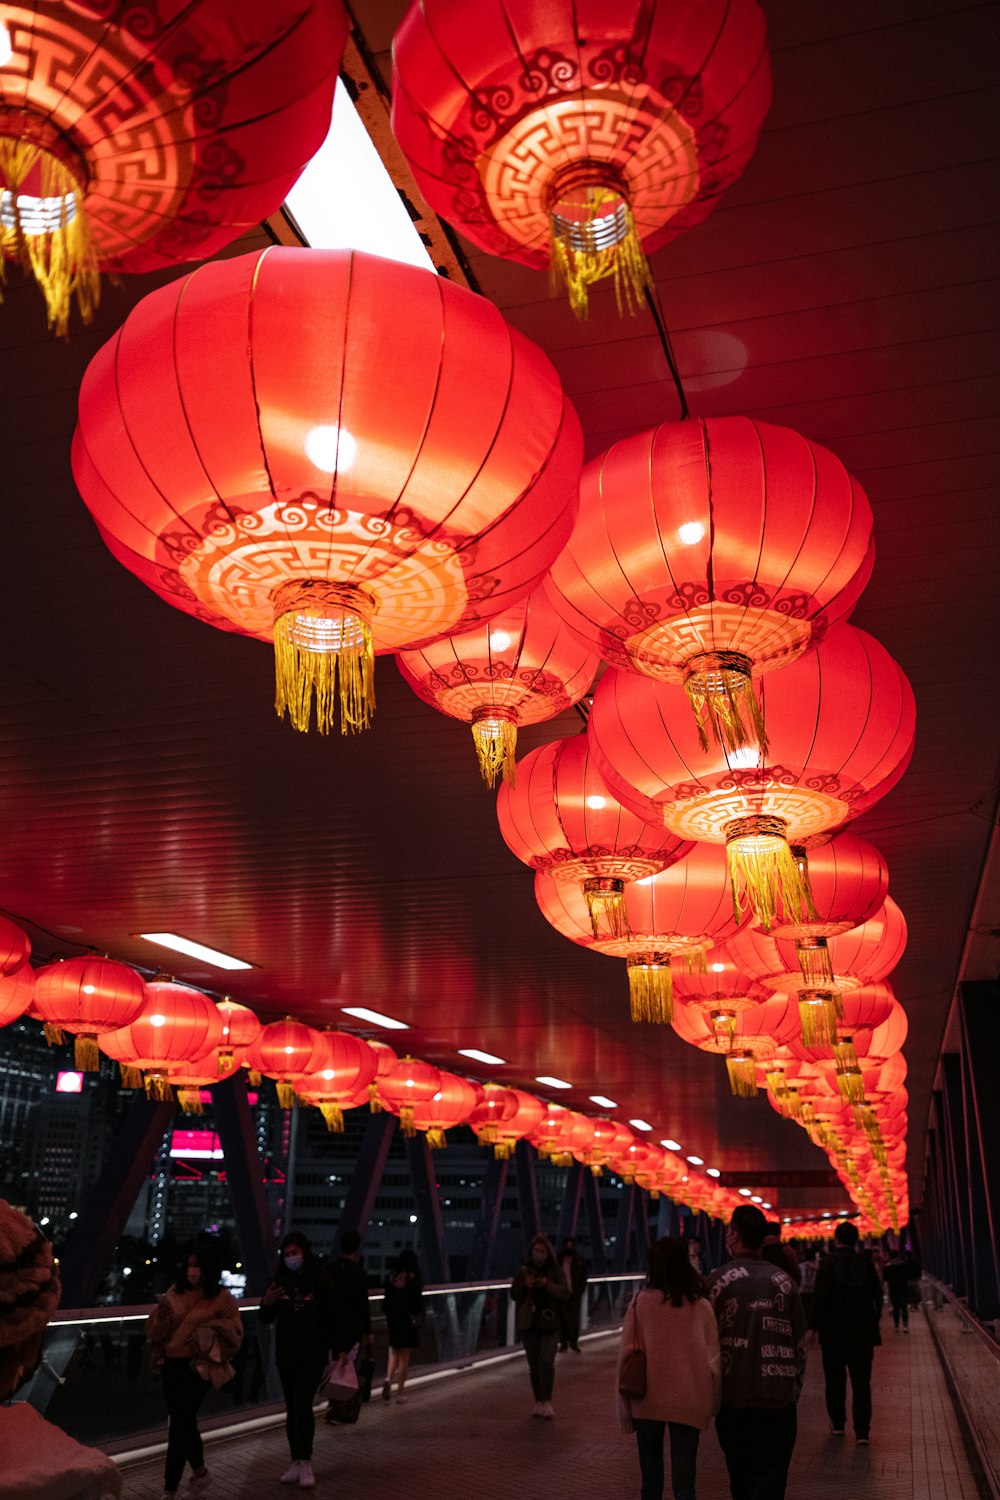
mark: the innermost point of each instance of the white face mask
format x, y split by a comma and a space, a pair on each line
293, 1262
193, 1275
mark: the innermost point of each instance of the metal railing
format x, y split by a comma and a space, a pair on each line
970, 1352
96, 1383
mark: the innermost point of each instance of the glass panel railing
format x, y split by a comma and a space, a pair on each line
95, 1381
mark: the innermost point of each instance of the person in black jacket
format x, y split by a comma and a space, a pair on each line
574, 1269
404, 1310
846, 1308
299, 1301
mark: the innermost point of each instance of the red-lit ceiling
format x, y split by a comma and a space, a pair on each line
845, 288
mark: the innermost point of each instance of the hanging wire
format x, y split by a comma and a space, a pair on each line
656, 312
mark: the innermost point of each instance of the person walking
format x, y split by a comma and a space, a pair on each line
808, 1266
762, 1333
299, 1302
672, 1322
195, 1329
352, 1317
404, 1309
540, 1292
847, 1305
574, 1269
901, 1275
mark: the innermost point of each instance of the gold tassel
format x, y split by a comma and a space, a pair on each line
158, 1087
851, 1084
596, 1169
723, 1024
693, 961
814, 961
224, 1060
762, 872
818, 1018
374, 1099
605, 899
720, 690
254, 1078
651, 987
654, 1194
794, 1104
742, 1069
322, 640
503, 1148
436, 1138
54, 1035
86, 1053
488, 1134
590, 244
334, 1117
406, 1121
844, 1053
561, 1158
495, 737
131, 1076
58, 252
286, 1094
190, 1101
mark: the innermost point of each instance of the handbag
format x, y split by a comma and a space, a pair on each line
339, 1381
632, 1375
344, 1413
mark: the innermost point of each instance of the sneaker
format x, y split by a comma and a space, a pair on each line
547, 1411
307, 1479
291, 1474
386, 1390
536, 1410
864, 1441
907, 1328
836, 1432
197, 1485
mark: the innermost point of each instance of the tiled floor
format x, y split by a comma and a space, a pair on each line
472, 1436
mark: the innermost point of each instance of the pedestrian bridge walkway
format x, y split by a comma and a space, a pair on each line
470, 1434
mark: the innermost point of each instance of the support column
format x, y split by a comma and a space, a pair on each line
640, 1225
89, 1248
484, 1235
527, 1191
958, 1166
664, 1217
595, 1224
245, 1175
980, 1018
433, 1250
570, 1210
623, 1228
366, 1179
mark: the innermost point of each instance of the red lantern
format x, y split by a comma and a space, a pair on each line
385, 1060
136, 138
709, 551
846, 880
744, 1038
865, 954
175, 1026
558, 136
240, 1029
840, 724
86, 997
521, 667
721, 987
239, 454
189, 1080
344, 1069
454, 1102
503, 1117
562, 818
17, 991
15, 949
608, 1138
284, 1051
405, 1086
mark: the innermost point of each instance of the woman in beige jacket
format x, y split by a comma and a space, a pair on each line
673, 1323
195, 1330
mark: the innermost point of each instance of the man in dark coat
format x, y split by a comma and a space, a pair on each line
574, 1268
846, 1308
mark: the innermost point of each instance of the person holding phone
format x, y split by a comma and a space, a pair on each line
540, 1292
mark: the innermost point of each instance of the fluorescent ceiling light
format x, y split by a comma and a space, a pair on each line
554, 1083
477, 1056
346, 200
375, 1017
713, 1171
671, 1145
756, 1198
603, 1101
696, 1161
194, 950
765, 1205
744, 1192
640, 1125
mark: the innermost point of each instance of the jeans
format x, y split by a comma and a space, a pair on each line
184, 1391
299, 1380
839, 1361
757, 1442
683, 1458
540, 1347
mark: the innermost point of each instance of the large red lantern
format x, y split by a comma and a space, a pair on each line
406, 1085
520, 667
86, 997
569, 137
17, 991
711, 551
15, 948
454, 1102
240, 454
175, 1026
840, 725
343, 1067
563, 819
134, 137
284, 1051
503, 1117
846, 880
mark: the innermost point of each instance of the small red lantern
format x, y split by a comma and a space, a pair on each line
840, 724
521, 667
385, 1060
571, 137
188, 1080
240, 1029
175, 1026
134, 138
284, 1051
608, 1139
563, 819
406, 1085
238, 452
454, 1102
87, 997
17, 991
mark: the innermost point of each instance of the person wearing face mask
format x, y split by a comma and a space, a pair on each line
299, 1301
195, 1330
540, 1292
